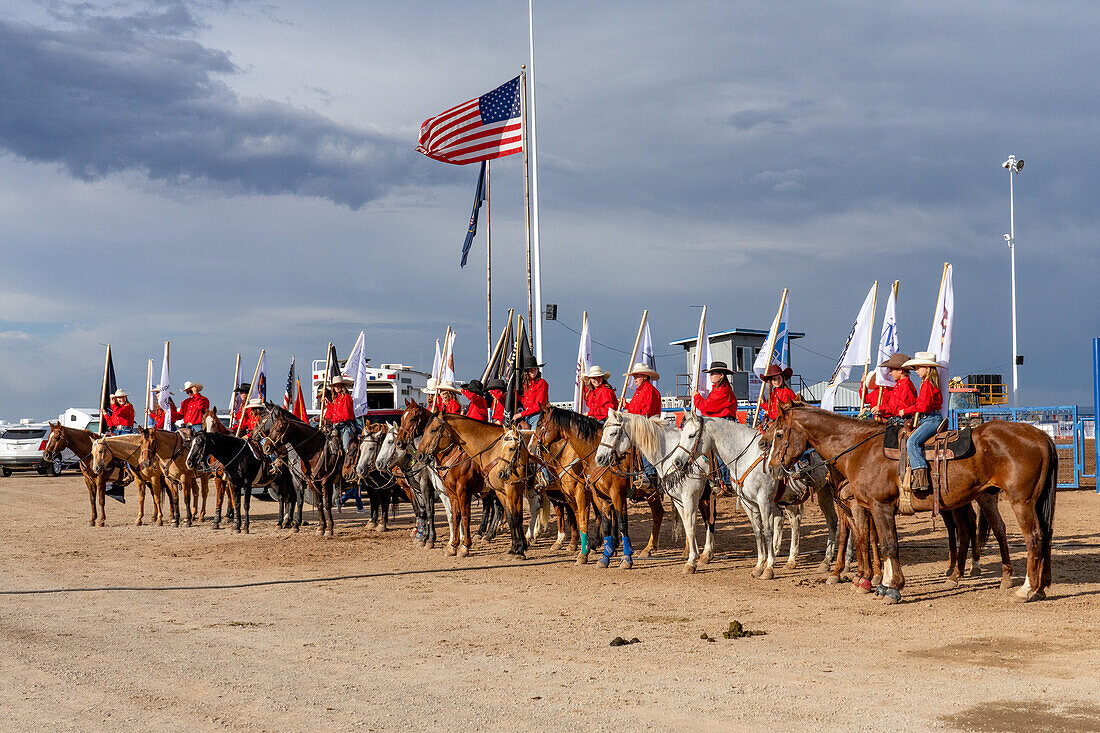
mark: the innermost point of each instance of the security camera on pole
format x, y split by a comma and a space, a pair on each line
1013, 166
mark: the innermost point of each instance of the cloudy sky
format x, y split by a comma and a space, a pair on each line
238, 175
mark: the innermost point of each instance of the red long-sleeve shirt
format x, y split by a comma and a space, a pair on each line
535, 396
902, 397
930, 399
600, 401
498, 405
871, 397
478, 409
646, 401
783, 394
193, 408
340, 409
249, 421
450, 404
121, 416
719, 403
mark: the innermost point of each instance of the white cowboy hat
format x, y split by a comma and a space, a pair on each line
642, 368
595, 372
922, 358
343, 379
254, 403
192, 385
430, 387
447, 386
120, 393
158, 388
869, 380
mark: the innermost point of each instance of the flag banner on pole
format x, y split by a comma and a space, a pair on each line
701, 380
448, 367
494, 369
333, 364
300, 404
288, 393
775, 349
888, 343
939, 342
584, 359
163, 398
110, 386
483, 128
357, 370
261, 379
646, 354
855, 349
471, 230
437, 363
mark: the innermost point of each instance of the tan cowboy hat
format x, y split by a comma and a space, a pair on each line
255, 403
192, 385
342, 379
643, 369
773, 370
447, 386
430, 387
897, 361
120, 393
922, 358
596, 372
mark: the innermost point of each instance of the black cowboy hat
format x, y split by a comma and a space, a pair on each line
529, 362
475, 386
244, 388
719, 366
497, 384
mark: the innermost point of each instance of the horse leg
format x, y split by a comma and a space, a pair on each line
893, 578
238, 489
101, 494
219, 493
794, 515
770, 517
1033, 538
755, 520
299, 505
534, 508
205, 480
582, 524
987, 502
247, 505
624, 529
331, 529
464, 549
952, 543
959, 541
688, 509
454, 520
860, 526
89, 484
141, 502
559, 510
828, 510
843, 532
188, 486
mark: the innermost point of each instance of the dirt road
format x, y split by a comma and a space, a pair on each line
229, 631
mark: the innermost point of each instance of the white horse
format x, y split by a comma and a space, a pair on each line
739, 447
426, 484
656, 439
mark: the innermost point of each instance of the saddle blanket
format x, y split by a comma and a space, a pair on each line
950, 444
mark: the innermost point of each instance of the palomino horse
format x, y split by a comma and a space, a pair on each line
608, 485
322, 456
80, 443
501, 456
685, 483
1019, 460
126, 448
558, 455
738, 446
168, 451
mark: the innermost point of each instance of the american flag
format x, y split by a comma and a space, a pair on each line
288, 393
483, 128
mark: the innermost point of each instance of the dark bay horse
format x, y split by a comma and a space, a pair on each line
1017, 459
321, 454
80, 443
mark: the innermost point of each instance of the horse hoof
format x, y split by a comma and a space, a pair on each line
647, 552
862, 586
1006, 583
824, 567
876, 580
246, 529
689, 569
604, 562
430, 545
768, 574
756, 571
582, 559
330, 533
832, 580
463, 551
91, 523
705, 558
890, 600
371, 525
949, 572
138, 523
217, 526
626, 565
383, 528
556, 546
451, 550
951, 584
574, 548
975, 571
791, 564
100, 523
187, 524
237, 530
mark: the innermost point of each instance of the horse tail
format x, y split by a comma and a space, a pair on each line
544, 515
1044, 506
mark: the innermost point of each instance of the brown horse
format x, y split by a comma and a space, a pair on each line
168, 451
126, 448
1016, 459
80, 443
499, 453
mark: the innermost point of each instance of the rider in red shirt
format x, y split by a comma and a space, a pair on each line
778, 391
646, 400
495, 388
600, 398
120, 417
874, 395
902, 396
157, 414
340, 412
195, 406
536, 392
926, 412
721, 401
478, 409
447, 402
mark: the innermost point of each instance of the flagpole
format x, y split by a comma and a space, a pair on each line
168, 361
526, 187
867, 358
236, 383
579, 385
324, 384
536, 251
771, 340
698, 353
252, 386
488, 268
148, 393
103, 390
634, 355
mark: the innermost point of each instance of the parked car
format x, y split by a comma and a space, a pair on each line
21, 448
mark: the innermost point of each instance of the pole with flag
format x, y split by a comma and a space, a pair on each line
939, 342
584, 358
649, 357
529, 127
889, 341
330, 361
857, 349
513, 377
702, 358
106, 390
642, 327
235, 398
252, 387
357, 370
299, 409
494, 368
164, 397
488, 268
148, 392
768, 355
447, 372
288, 393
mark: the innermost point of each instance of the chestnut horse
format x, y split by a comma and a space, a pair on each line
126, 448
168, 451
80, 443
1017, 459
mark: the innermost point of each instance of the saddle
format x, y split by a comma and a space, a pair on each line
942, 447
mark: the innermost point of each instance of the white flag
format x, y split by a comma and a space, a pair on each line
163, 398
584, 359
857, 351
939, 342
437, 362
700, 380
888, 343
648, 357
774, 350
357, 369
448, 364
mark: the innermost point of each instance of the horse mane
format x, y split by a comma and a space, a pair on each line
287, 414
644, 432
586, 427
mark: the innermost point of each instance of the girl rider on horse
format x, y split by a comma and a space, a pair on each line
448, 405
600, 398
340, 412
495, 389
478, 409
536, 392
902, 396
721, 402
778, 391
120, 417
927, 411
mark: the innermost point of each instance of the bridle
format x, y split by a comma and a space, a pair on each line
777, 431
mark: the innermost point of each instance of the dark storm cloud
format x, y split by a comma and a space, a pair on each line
103, 95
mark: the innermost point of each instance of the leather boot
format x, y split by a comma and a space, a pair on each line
921, 480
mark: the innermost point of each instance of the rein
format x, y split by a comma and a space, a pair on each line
791, 472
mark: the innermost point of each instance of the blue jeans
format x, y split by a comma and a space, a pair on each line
348, 430
353, 492
125, 430
915, 443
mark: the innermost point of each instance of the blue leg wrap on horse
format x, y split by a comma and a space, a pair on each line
584, 543
627, 549
608, 546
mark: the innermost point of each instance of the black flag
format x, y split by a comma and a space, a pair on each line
108, 389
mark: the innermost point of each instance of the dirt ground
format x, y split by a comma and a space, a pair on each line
195, 629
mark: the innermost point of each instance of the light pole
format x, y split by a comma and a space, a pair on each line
1014, 167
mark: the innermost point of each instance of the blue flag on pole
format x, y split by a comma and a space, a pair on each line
479, 197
